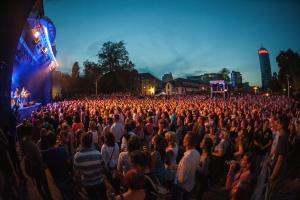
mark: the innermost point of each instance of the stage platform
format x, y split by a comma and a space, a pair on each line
25, 112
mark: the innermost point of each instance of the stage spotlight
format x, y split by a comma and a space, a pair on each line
36, 34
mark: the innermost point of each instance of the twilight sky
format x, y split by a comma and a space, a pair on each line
185, 37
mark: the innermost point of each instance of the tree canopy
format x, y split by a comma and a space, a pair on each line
75, 71
289, 67
114, 67
92, 70
114, 57
225, 72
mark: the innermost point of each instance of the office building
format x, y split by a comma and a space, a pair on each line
236, 79
265, 67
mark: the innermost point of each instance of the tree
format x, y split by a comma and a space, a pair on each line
113, 57
121, 80
289, 66
65, 80
118, 71
91, 69
225, 72
75, 71
93, 73
274, 84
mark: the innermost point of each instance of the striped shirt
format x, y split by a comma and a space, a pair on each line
90, 165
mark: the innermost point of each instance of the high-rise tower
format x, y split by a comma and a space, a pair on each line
265, 67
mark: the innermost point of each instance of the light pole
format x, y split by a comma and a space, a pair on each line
96, 82
288, 84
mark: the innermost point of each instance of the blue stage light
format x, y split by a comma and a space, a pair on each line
35, 59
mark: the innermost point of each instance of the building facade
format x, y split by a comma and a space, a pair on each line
167, 77
149, 84
236, 79
265, 67
182, 86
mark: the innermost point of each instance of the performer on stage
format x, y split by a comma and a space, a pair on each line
24, 96
17, 96
12, 99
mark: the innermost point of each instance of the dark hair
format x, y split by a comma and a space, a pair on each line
109, 139
100, 120
86, 140
160, 145
77, 119
134, 180
192, 138
128, 127
110, 120
116, 117
181, 118
284, 121
134, 143
141, 158
165, 114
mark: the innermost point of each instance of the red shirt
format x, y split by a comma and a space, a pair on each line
77, 126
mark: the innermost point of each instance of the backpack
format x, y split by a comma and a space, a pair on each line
160, 192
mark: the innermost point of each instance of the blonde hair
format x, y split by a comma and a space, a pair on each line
170, 138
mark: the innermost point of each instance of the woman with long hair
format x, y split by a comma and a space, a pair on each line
171, 150
239, 183
134, 144
204, 167
158, 156
110, 151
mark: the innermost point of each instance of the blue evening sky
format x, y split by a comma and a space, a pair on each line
185, 37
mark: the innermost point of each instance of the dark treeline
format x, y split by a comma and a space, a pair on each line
113, 72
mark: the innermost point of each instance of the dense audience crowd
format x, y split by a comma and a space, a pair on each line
127, 148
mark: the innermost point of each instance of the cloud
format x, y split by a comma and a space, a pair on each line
146, 69
192, 73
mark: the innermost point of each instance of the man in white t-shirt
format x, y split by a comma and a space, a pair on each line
186, 170
117, 128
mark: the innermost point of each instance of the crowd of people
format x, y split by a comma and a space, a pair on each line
129, 148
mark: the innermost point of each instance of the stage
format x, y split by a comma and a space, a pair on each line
25, 112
